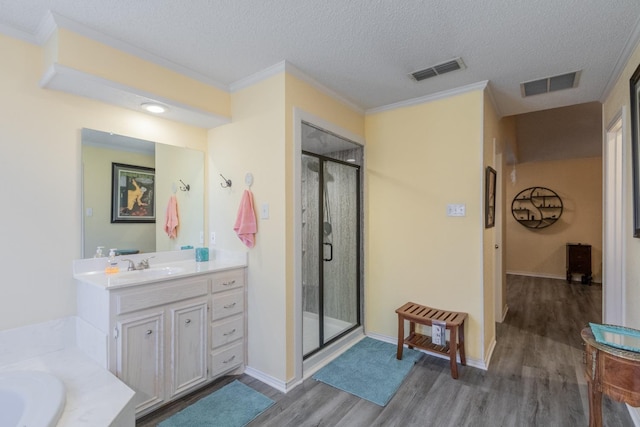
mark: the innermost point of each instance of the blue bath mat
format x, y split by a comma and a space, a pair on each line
369, 370
234, 405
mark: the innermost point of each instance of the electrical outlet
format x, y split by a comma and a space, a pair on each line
212, 238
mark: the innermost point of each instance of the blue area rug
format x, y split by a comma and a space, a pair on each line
369, 370
234, 405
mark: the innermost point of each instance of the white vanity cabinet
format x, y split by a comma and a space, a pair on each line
227, 321
168, 337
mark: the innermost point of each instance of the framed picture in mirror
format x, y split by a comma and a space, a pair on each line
132, 194
490, 197
635, 152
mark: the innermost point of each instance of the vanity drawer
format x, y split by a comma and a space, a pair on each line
227, 304
227, 280
225, 331
226, 359
159, 294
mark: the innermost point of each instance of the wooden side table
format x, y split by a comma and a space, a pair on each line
423, 315
611, 371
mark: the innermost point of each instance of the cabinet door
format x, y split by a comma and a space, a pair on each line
140, 357
188, 346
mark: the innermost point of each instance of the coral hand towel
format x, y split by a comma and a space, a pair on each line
245, 226
172, 222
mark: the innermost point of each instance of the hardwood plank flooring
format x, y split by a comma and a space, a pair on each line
535, 377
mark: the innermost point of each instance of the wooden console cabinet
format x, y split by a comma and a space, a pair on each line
611, 371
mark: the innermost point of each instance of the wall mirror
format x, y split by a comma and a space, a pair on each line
179, 172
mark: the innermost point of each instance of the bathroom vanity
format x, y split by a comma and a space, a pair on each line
167, 330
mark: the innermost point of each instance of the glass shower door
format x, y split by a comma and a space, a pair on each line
330, 250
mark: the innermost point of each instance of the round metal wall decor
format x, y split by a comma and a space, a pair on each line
536, 207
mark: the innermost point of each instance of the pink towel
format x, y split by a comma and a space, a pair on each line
171, 225
245, 226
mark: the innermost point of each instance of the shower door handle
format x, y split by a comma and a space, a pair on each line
330, 252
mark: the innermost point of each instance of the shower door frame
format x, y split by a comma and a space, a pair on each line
322, 344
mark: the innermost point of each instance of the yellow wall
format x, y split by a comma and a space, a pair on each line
418, 160
80, 53
254, 142
617, 99
260, 140
40, 134
542, 252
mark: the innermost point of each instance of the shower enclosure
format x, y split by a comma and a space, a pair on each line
330, 243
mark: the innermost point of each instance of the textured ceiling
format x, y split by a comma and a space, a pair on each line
365, 49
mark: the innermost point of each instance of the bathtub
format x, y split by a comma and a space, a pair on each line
30, 398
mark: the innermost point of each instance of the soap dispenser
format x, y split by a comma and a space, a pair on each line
99, 252
112, 263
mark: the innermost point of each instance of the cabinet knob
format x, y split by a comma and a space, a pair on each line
228, 283
187, 321
497, 246
230, 305
229, 359
149, 331
231, 332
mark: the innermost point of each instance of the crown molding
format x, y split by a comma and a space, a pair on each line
430, 98
287, 67
621, 63
257, 77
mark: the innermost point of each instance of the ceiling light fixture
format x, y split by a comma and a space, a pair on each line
153, 108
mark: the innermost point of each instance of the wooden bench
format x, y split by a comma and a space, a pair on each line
420, 314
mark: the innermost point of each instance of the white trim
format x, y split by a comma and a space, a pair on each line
296, 72
635, 415
18, 34
46, 28
613, 294
257, 77
430, 98
287, 67
541, 275
474, 363
493, 100
299, 116
279, 385
504, 312
69, 80
627, 51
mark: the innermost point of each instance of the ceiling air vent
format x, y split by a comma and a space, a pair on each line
550, 84
436, 70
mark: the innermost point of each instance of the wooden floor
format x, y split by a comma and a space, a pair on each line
534, 379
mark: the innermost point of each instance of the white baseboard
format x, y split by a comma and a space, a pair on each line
545, 275
504, 313
268, 379
475, 363
635, 415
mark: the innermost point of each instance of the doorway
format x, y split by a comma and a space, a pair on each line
331, 238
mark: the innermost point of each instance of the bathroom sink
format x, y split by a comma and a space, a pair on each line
148, 274
152, 271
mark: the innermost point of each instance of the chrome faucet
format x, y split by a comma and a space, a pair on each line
142, 265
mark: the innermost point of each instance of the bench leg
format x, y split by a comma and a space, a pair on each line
452, 353
463, 359
400, 337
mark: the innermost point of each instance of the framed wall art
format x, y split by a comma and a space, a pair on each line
490, 197
133, 193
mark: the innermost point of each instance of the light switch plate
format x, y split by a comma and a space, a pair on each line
456, 209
